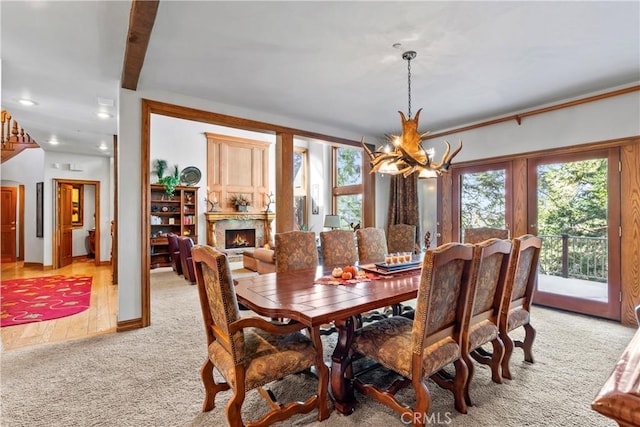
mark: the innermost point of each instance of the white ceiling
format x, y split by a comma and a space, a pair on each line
328, 63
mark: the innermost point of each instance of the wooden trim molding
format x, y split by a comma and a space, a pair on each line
129, 325
518, 117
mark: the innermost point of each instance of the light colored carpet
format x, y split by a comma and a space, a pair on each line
150, 377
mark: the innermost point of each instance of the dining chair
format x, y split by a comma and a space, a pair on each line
251, 352
492, 257
402, 238
516, 304
417, 349
372, 244
338, 248
174, 252
480, 234
296, 250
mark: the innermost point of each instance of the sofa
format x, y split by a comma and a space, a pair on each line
261, 260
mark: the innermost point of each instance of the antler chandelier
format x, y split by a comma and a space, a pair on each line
408, 156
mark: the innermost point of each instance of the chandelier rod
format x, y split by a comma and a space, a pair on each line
408, 56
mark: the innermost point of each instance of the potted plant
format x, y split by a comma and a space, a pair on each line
240, 202
170, 182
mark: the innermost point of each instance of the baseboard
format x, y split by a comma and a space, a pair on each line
129, 325
33, 264
105, 262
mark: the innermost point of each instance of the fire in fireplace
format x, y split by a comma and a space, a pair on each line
234, 239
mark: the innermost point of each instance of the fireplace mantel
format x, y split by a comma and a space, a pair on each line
213, 217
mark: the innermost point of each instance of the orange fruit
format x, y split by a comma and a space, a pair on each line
346, 275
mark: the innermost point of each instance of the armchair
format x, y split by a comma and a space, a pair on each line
174, 252
251, 352
417, 350
185, 244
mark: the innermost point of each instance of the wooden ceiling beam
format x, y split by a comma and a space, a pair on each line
141, 20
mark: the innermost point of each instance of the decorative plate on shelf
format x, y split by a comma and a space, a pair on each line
190, 175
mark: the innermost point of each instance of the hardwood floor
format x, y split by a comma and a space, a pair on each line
100, 318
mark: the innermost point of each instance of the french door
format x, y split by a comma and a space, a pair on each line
572, 202
573, 207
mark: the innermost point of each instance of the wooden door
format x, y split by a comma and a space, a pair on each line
8, 229
574, 207
65, 225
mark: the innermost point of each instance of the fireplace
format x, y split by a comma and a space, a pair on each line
243, 238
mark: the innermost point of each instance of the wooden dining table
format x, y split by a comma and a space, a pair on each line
311, 298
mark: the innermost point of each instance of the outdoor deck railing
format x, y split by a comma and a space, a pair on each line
575, 257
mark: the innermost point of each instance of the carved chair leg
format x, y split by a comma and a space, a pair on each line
530, 335
234, 408
467, 386
496, 360
459, 382
423, 402
211, 388
508, 350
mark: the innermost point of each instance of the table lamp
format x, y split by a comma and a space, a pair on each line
331, 221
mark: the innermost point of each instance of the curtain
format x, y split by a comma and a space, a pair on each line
403, 203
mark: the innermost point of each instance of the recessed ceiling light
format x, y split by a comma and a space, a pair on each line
105, 102
53, 141
27, 102
103, 115
103, 147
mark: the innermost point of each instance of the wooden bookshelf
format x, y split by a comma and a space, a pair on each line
171, 214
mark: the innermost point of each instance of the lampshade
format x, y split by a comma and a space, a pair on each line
332, 221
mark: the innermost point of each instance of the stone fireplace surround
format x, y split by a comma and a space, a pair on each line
219, 222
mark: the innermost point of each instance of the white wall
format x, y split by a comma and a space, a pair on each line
95, 168
606, 119
27, 168
602, 120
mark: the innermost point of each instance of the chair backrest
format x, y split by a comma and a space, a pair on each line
401, 238
443, 304
523, 271
372, 244
296, 250
338, 248
218, 299
493, 258
185, 244
477, 235
172, 238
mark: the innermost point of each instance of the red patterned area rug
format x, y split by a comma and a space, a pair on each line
43, 298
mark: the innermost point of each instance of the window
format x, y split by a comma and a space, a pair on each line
348, 188
300, 188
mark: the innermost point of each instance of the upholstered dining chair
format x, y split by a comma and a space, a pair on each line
251, 352
296, 250
516, 304
338, 248
477, 235
492, 257
174, 252
402, 238
185, 244
417, 349
372, 244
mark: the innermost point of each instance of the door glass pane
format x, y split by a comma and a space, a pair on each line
572, 223
349, 209
482, 200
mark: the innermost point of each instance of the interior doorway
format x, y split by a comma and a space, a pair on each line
66, 210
